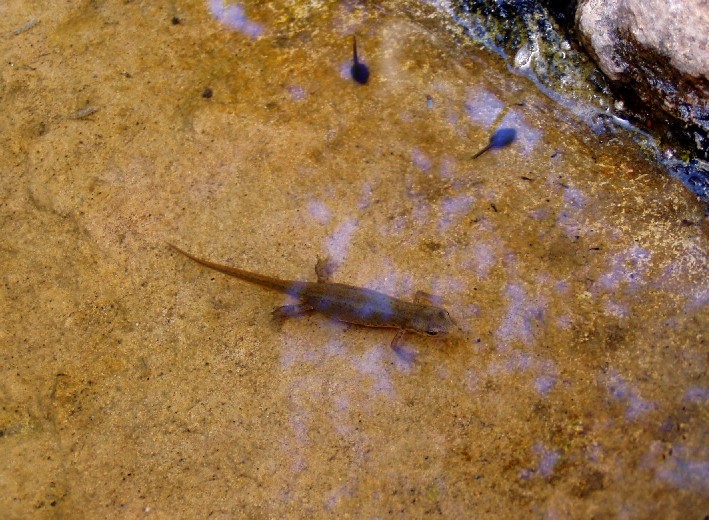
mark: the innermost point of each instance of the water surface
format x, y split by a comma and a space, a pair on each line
137, 383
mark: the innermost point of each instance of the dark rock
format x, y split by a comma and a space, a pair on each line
659, 50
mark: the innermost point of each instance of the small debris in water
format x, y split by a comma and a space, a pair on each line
26, 27
175, 20
83, 113
207, 93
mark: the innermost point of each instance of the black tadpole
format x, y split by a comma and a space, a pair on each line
498, 139
359, 71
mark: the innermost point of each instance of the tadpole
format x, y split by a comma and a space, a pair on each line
499, 139
359, 71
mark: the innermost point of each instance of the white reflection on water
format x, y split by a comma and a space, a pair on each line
686, 473
619, 310
293, 352
483, 106
392, 280
683, 466
564, 322
365, 195
454, 208
421, 160
544, 384
447, 167
571, 217
339, 241
672, 278
235, 17
319, 211
517, 361
697, 394
547, 459
627, 267
523, 313
297, 92
697, 301
624, 392
481, 257
371, 363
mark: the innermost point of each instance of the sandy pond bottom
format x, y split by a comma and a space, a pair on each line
134, 382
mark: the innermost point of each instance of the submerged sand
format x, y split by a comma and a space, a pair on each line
137, 383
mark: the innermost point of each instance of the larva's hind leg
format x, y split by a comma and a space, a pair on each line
292, 311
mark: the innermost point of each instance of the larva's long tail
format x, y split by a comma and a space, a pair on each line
247, 276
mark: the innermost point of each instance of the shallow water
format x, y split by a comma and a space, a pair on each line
135, 382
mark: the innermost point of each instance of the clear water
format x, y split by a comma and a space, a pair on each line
135, 382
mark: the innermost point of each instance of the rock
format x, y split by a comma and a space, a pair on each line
657, 48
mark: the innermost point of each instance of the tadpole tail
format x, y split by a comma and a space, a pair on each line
354, 49
481, 152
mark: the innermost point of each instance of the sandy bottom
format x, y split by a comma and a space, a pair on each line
134, 382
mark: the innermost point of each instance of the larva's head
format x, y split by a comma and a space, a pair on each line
432, 321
